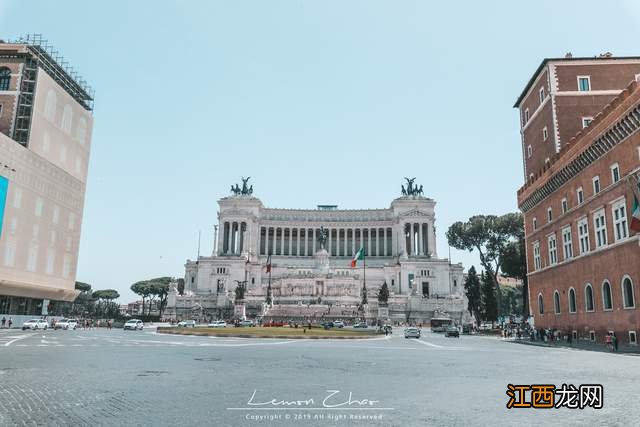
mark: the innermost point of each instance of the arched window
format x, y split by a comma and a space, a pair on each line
572, 300
588, 297
81, 131
607, 301
556, 302
540, 304
67, 118
51, 105
627, 293
5, 78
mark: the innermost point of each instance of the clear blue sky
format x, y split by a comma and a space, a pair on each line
320, 102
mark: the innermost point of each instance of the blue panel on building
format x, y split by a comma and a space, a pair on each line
4, 188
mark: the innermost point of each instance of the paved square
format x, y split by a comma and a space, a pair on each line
102, 377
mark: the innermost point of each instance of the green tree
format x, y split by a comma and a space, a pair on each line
489, 300
106, 305
489, 235
83, 287
143, 289
514, 265
511, 300
383, 294
160, 289
473, 293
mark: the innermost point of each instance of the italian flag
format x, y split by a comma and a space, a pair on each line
635, 215
358, 256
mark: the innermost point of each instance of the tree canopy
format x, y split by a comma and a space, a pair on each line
490, 235
83, 287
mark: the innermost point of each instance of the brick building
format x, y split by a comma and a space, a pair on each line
581, 148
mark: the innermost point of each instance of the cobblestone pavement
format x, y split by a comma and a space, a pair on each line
102, 377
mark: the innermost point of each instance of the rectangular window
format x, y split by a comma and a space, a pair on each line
583, 236
580, 195
10, 254
549, 215
565, 206
535, 224
584, 83
567, 244
586, 121
596, 184
526, 116
529, 151
633, 339
545, 134
56, 214
39, 205
536, 256
17, 197
615, 173
620, 220
541, 95
600, 226
553, 249
32, 257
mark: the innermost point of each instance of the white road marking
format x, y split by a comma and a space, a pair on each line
17, 338
429, 344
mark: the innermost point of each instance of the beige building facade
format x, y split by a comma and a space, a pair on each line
45, 140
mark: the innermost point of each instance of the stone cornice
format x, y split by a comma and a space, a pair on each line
604, 142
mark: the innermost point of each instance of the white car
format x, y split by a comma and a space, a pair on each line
187, 324
412, 332
35, 324
66, 324
134, 324
218, 324
338, 324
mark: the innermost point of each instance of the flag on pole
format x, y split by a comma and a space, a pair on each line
268, 264
635, 212
359, 256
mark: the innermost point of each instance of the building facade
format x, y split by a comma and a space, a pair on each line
583, 259
45, 139
310, 252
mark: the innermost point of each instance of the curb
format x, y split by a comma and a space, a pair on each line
205, 334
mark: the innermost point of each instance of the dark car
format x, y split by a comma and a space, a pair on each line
361, 325
452, 331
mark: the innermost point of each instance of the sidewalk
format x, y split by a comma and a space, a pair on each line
579, 345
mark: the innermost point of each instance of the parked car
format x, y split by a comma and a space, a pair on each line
34, 324
187, 324
246, 322
134, 324
66, 324
338, 324
412, 333
361, 325
452, 331
327, 325
218, 324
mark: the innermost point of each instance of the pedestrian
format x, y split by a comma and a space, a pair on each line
4, 320
608, 342
10, 322
614, 339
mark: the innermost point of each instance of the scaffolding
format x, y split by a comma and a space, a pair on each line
58, 68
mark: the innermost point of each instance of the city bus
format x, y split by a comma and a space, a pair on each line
440, 324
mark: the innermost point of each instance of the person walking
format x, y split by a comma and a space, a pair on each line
10, 322
608, 341
614, 340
